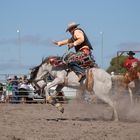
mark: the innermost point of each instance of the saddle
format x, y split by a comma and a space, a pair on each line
83, 60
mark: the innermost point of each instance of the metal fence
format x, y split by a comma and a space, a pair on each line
28, 96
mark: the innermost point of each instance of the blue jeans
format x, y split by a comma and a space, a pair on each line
76, 68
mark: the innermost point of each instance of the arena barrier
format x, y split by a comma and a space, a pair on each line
12, 97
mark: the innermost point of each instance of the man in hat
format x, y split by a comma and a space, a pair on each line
81, 44
131, 59
132, 70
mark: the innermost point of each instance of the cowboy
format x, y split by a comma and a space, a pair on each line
132, 69
81, 44
131, 59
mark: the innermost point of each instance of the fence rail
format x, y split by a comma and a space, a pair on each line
26, 97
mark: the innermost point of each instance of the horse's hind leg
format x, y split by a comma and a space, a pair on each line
107, 100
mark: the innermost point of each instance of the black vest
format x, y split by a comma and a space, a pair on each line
85, 43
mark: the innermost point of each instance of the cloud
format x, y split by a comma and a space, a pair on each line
8, 41
34, 40
126, 46
13, 66
27, 39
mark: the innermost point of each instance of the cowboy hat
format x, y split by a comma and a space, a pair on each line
71, 25
131, 53
9, 78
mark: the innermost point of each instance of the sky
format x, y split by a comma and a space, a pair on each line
28, 27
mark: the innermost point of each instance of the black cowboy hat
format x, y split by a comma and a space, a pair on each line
131, 53
71, 25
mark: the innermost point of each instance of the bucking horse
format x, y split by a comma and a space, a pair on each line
97, 82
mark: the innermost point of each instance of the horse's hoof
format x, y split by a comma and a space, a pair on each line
60, 107
51, 100
62, 110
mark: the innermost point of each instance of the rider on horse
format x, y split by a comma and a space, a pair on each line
82, 47
131, 59
132, 66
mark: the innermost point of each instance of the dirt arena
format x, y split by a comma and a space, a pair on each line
80, 121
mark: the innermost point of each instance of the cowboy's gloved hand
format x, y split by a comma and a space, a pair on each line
55, 42
70, 45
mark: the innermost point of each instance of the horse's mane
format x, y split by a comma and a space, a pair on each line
34, 71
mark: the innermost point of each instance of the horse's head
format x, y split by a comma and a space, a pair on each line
134, 64
134, 72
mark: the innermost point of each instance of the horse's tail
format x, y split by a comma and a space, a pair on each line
89, 80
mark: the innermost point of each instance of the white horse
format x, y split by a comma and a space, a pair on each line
101, 84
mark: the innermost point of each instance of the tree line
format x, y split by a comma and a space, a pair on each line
116, 65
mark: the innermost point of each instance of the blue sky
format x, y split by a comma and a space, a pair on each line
41, 21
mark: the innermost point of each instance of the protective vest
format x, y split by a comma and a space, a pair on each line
85, 43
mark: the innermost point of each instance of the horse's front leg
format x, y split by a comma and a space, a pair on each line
49, 98
55, 82
131, 90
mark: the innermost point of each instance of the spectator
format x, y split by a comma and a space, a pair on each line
23, 82
1, 92
8, 89
15, 87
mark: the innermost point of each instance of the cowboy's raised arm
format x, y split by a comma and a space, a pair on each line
61, 43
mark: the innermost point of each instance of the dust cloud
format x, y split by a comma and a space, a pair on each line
89, 108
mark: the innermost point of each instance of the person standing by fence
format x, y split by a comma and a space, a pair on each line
9, 89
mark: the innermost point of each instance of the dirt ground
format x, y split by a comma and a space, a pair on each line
80, 121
